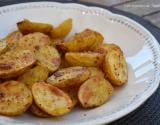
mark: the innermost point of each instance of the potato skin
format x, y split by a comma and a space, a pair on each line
33, 41
51, 99
35, 110
15, 98
87, 59
48, 57
93, 92
14, 63
27, 27
115, 68
36, 74
13, 38
67, 77
83, 41
62, 30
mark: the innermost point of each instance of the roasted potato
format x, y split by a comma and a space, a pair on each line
35, 110
73, 94
14, 63
27, 27
82, 41
67, 77
13, 38
15, 98
36, 74
3, 46
115, 68
48, 57
93, 92
106, 48
62, 30
51, 99
33, 41
87, 59
94, 71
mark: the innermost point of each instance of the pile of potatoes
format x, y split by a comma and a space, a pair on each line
43, 73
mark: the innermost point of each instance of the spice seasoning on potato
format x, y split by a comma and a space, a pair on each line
83, 41
15, 98
14, 63
115, 68
93, 92
69, 76
33, 41
51, 99
48, 57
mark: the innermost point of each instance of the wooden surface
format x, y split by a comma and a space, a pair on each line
148, 9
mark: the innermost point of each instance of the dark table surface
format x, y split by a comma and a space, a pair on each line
149, 112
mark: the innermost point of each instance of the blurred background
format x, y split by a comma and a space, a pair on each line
148, 9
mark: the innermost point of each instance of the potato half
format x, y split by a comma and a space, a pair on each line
51, 99
83, 41
36, 74
15, 98
27, 26
67, 77
115, 68
93, 92
33, 41
14, 63
48, 57
87, 59
62, 30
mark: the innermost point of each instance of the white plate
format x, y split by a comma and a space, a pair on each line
140, 47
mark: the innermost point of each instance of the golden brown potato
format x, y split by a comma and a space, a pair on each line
48, 57
27, 26
33, 41
13, 38
35, 110
73, 94
87, 59
67, 77
93, 92
14, 63
82, 41
94, 71
115, 68
15, 98
56, 41
36, 74
51, 99
3, 46
106, 48
62, 30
